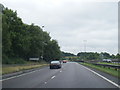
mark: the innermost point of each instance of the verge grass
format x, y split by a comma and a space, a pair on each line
110, 71
109, 63
11, 69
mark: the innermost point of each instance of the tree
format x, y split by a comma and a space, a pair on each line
88, 55
118, 56
113, 56
67, 54
106, 55
52, 51
24, 41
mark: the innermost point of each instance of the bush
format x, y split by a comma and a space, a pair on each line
7, 60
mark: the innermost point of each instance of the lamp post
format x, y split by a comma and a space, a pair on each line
101, 57
85, 47
42, 44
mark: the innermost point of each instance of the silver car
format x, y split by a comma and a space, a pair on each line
55, 64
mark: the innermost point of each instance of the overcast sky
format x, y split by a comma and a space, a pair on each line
74, 24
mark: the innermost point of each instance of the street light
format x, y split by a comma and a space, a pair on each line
85, 41
42, 43
101, 56
43, 27
85, 47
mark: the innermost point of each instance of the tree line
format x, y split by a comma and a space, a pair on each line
67, 54
96, 56
20, 40
89, 56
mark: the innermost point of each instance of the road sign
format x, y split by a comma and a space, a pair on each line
34, 59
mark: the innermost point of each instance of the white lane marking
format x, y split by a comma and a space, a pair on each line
45, 82
53, 77
103, 77
18, 75
60, 71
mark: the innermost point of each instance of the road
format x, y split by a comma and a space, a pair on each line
71, 75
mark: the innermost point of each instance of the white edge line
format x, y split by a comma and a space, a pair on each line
18, 75
102, 77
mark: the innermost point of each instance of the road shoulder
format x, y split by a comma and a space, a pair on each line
108, 76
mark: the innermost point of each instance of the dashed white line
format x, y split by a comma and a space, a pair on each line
53, 77
103, 77
45, 82
60, 71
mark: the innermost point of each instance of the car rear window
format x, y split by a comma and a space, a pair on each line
55, 62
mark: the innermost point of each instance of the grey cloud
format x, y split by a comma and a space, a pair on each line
71, 22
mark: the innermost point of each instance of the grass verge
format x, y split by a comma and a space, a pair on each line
11, 69
110, 71
109, 63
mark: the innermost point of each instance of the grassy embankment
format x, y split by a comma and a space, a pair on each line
109, 63
19, 67
110, 71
